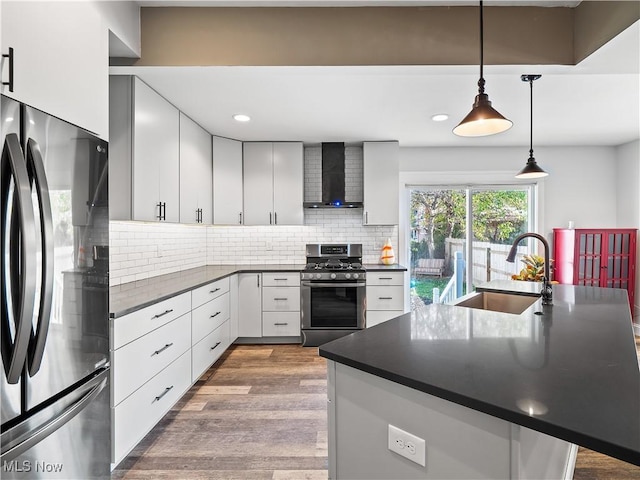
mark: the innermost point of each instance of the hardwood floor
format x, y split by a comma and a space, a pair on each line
260, 413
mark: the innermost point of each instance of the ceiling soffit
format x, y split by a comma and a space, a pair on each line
335, 36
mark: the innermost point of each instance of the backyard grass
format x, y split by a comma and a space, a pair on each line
423, 286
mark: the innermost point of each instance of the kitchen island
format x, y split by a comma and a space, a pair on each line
493, 394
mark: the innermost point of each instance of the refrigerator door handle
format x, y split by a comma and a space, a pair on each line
18, 239
95, 386
37, 175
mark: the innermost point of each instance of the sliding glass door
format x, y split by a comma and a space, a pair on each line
460, 237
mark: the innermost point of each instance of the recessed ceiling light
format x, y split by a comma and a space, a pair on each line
440, 117
239, 117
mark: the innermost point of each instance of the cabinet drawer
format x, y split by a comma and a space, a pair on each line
281, 299
374, 317
385, 298
138, 361
289, 279
141, 322
281, 324
208, 350
385, 278
206, 318
138, 414
202, 295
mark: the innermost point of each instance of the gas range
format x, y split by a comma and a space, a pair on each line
334, 262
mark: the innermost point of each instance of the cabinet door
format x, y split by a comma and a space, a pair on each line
249, 305
155, 147
381, 179
288, 180
258, 183
227, 181
60, 60
195, 172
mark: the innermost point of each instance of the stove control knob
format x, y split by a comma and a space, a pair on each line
355, 275
348, 275
318, 276
333, 276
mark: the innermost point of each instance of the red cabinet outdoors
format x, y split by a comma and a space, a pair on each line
597, 257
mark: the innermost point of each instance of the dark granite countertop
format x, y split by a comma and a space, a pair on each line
132, 296
379, 267
571, 373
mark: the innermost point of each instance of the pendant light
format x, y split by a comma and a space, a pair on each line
531, 169
483, 119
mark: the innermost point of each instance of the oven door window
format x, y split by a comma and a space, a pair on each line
335, 307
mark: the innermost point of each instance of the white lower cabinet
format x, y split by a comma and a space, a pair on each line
385, 296
208, 350
138, 361
137, 415
250, 305
281, 304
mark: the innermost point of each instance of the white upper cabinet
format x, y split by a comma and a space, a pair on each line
144, 153
227, 181
60, 60
195, 173
156, 165
288, 182
273, 183
381, 183
258, 183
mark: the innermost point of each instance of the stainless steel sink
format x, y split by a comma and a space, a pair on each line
497, 302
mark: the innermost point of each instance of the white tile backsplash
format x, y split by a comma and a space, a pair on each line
141, 250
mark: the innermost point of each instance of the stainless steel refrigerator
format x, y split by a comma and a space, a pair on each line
54, 331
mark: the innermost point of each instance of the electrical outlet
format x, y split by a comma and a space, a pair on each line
408, 445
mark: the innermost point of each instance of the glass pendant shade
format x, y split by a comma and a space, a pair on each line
531, 170
482, 120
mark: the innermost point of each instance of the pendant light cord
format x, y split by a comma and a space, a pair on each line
481, 81
531, 119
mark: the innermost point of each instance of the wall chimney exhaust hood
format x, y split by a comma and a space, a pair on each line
333, 179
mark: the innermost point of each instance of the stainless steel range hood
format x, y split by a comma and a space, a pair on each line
333, 179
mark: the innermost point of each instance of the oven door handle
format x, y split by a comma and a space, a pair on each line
332, 284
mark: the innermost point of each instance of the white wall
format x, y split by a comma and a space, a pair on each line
580, 186
628, 199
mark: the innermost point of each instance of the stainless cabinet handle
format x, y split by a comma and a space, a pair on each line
280, 279
159, 205
258, 277
366, 218
163, 313
10, 57
281, 298
215, 314
240, 222
214, 347
166, 390
270, 221
275, 218
214, 290
385, 298
162, 349
385, 278
285, 323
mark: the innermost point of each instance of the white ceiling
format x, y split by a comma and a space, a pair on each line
594, 103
